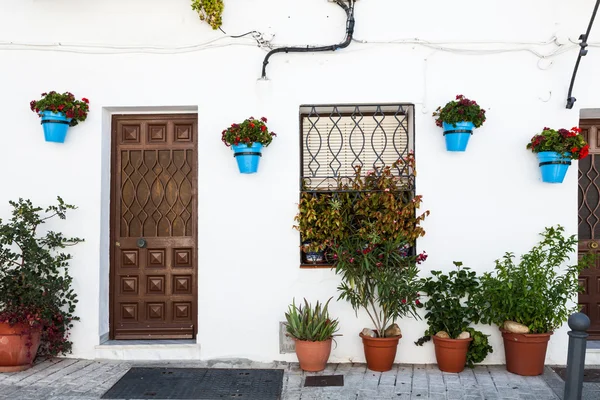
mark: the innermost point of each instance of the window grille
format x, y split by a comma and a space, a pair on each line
337, 138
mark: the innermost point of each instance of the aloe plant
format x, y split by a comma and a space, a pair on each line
308, 323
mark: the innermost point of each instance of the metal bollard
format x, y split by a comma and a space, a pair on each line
579, 324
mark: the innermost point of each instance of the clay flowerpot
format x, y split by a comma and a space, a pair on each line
14, 349
525, 352
313, 356
380, 352
451, 354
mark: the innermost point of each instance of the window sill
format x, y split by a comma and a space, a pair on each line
313, 266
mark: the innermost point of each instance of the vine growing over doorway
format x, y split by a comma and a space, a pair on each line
209, 11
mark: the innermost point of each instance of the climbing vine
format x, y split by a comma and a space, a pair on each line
209, 11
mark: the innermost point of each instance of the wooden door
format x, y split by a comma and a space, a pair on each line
589, 224
154, 227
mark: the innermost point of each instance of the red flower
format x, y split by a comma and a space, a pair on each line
403, 301
574, 150
61, 107
251, 124
417, 302
263, 128
86, 101
576, 129
263, 119
32, 105
351, 259
70, 114
251, 118
585, 150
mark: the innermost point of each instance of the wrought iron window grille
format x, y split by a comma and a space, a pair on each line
335, 139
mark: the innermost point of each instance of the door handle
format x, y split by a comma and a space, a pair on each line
593, 245
141, 243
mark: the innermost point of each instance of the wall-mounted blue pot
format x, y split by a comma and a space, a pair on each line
457, 137
55, 126
247, 157
553, 165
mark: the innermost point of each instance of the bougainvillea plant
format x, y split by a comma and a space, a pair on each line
461, 109
65, 103
209, 11
250, 131
377, 274
570, 143
35, 286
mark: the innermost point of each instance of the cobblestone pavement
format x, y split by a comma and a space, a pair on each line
70, 379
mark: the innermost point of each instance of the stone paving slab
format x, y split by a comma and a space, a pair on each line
70, 379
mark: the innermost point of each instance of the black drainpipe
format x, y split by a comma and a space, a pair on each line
308, 49
582, 52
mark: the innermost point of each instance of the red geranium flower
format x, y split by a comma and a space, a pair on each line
85, 100
585, 150
263, 119
263, 128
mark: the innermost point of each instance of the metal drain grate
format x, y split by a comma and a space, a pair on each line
324, 380
198, 383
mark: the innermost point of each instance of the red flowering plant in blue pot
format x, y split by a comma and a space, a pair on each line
555, 149
459, 118
247, 140
58, 111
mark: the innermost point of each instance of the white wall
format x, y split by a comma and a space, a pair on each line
484, 202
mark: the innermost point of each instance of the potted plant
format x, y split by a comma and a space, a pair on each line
36, 298
528, 300
377, 274
450, 311
247, 140
555, 150
321, 220
313, 330
58, 112
458, 118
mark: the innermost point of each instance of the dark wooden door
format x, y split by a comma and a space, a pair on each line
589, 224
154, 227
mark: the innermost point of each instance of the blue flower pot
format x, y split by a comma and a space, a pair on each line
457, 137
247, 157
55, 126
553, 165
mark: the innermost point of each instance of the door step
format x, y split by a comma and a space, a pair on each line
145, 350
592, 352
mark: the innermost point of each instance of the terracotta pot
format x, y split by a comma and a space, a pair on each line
451, 354
525, 352
13, 347
380, 352
313, 356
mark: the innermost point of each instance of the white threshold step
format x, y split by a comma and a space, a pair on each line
145, 350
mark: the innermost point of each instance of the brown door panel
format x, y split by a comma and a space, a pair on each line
154, 227
589, 225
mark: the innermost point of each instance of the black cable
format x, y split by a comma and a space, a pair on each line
308, 49
582, 52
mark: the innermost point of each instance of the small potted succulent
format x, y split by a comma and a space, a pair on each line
530, 299
555, 150
377, 274
36, 298
313, 330
247, 140
459, 118
58, 111
450, 312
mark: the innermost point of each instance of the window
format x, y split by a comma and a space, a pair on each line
336, 138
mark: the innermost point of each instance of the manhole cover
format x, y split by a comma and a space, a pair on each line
589, 375
324, 380
198, 383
